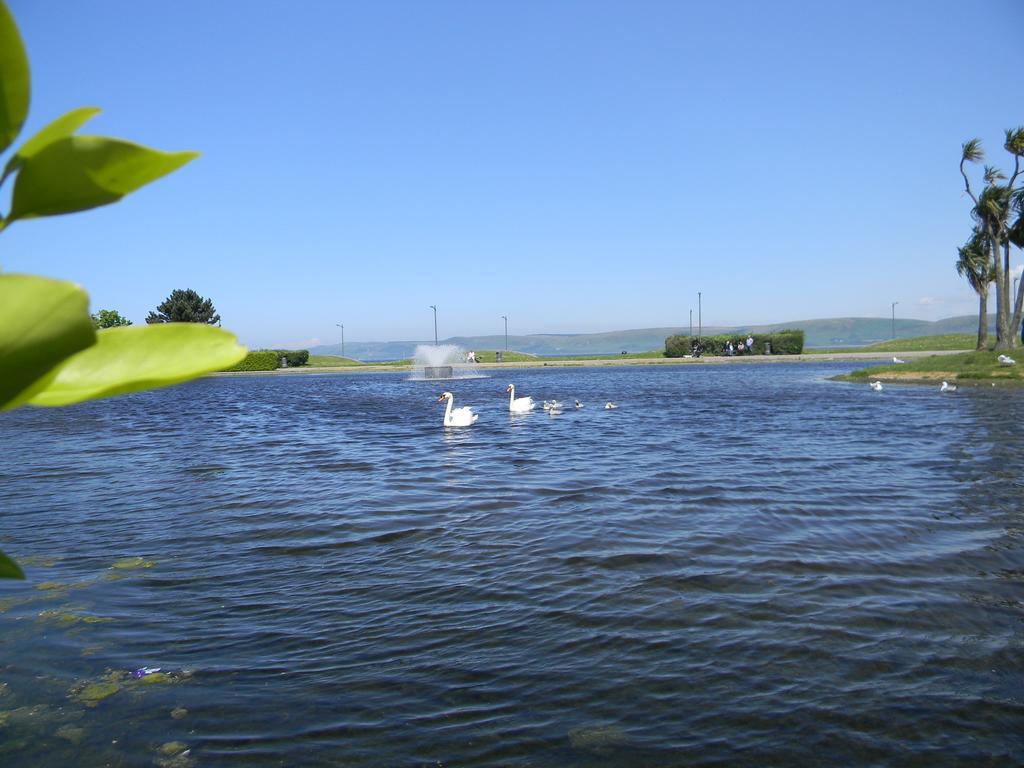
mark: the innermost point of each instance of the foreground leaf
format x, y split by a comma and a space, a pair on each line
133, 358
9, 569
76, 173
42, 322
14, 79
63, 126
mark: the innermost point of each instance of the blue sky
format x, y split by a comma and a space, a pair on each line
577, 166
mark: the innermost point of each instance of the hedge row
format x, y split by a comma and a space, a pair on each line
782, 343
264, 360
294, 357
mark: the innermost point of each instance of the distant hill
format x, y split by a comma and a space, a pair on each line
827, 332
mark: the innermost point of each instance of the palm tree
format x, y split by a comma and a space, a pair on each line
992, 212
1014, 144
975, 265
1016, 236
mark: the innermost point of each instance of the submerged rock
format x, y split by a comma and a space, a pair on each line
173, 748
38, 561
131, 563
156, 677
47, 585
9, 602
34, 715
92, 694
71, 733
179, 713
174, 754
59, 616
65, 617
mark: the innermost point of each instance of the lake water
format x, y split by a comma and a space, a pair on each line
743, 565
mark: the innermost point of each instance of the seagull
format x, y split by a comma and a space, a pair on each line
947, 387
897, 360
610, 406
1007, 360
876, 385
579, 404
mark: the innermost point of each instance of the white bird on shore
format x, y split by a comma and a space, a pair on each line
610, 406
518, 404
897, 360
579, 404
947, 387
1007, 360
458, 417
876, 385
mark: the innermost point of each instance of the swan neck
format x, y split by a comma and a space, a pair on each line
448, 412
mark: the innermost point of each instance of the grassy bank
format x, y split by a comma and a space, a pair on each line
485, 356
968, 367
334, 361
948, 341
507, 357
653, 354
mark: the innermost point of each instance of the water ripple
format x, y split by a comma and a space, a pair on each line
745, 565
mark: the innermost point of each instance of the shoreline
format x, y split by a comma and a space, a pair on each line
610, 361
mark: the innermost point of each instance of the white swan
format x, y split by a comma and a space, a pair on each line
518, 404
898, 361
1007, 360
610, 406
947, 387
876, 385
555, 410
549, 404
458, 417
579, 404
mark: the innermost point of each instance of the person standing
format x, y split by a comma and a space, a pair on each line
750, 344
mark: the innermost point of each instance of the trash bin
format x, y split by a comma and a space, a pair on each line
767, 347
497, 357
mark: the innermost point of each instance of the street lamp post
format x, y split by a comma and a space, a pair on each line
700, 318
505, 318
691, 323
434, 307
342, 326
894, 319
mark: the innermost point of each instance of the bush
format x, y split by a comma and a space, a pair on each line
783, 343
295, 357
264, 360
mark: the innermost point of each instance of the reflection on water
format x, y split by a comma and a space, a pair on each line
742, 565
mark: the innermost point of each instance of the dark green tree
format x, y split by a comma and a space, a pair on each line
185, 307
109, 318
974, 264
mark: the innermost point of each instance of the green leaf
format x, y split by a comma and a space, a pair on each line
42, 322
9, 569
63, 126
14, 79
133, 358
76, 173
